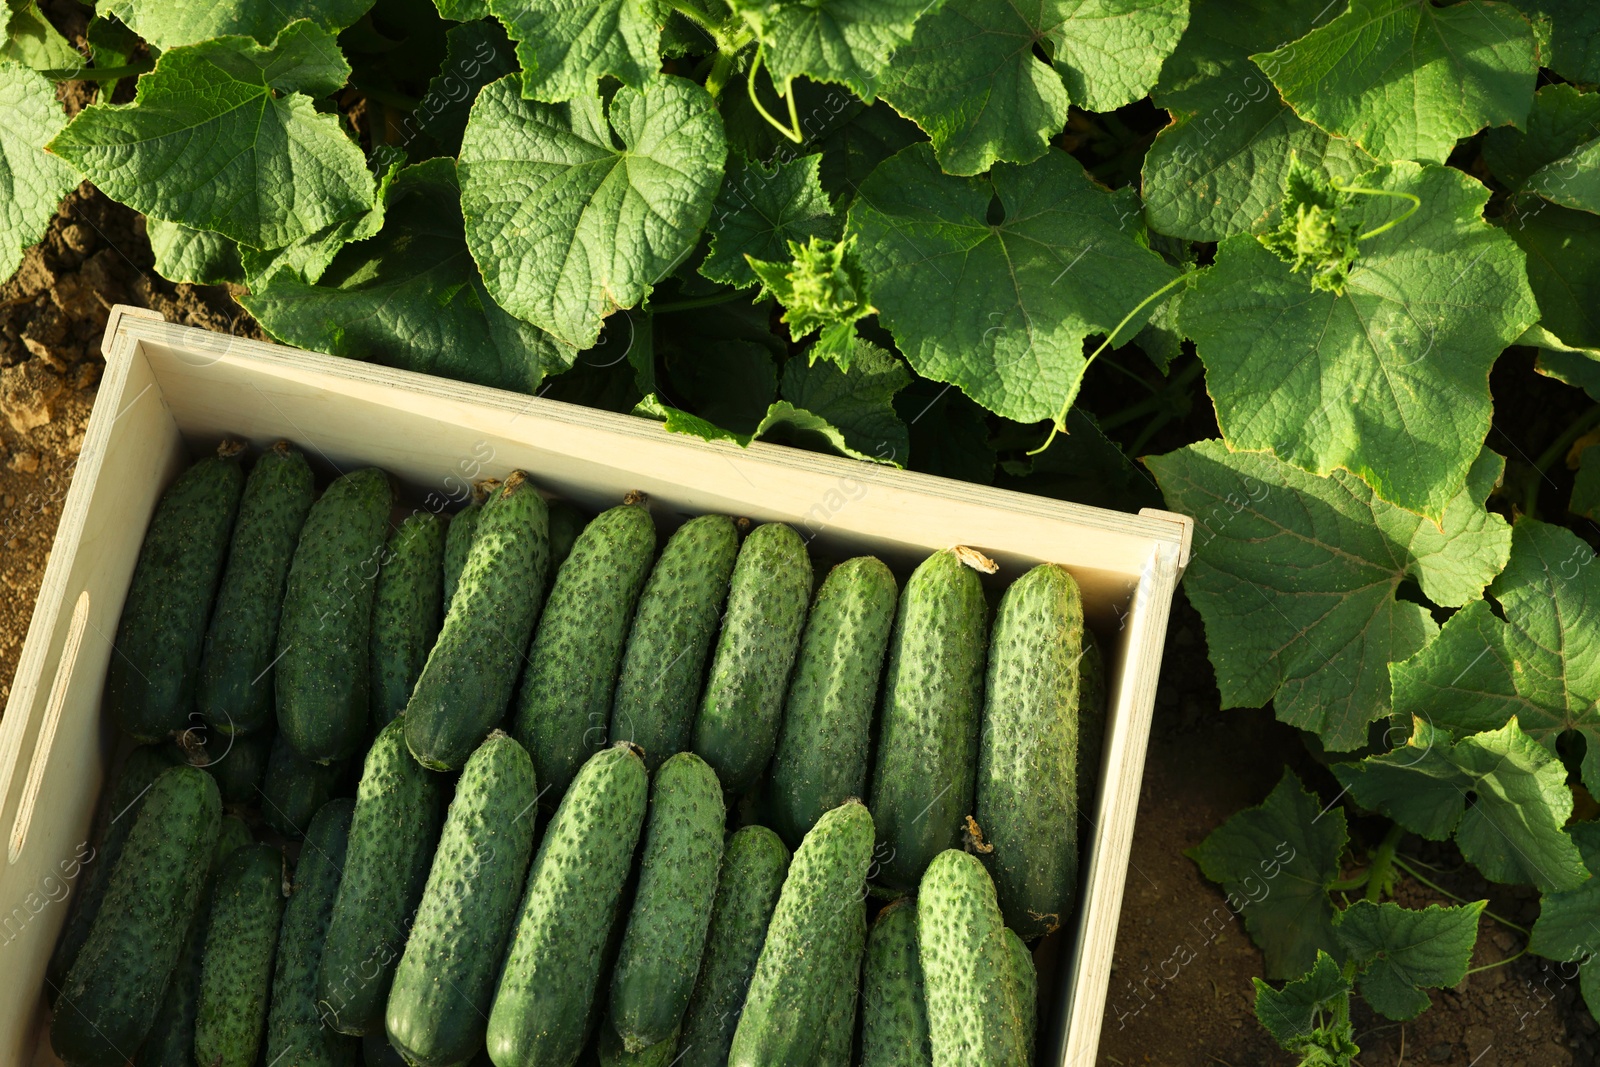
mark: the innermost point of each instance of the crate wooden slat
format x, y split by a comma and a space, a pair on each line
170, 391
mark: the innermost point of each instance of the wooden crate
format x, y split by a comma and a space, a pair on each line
171, 392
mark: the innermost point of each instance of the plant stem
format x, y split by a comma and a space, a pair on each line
1558, 448
1500, 963
1400, 862
1161, 401
721, 67
688, 11
1382, 861
710, 300
98, 74
792, 131
1351, 884
1361, 190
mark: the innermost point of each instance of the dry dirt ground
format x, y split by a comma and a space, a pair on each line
1204, 764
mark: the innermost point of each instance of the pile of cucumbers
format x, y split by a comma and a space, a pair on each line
515, 787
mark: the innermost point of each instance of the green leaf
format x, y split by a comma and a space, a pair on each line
847, 42
949, 433
853, 411
1002, 310
1389, 380
821, 287
476, 53
568, 226
167, 25
307, 257
970, 76
30, 39
759, 211
1290, 1015
1563, 257
1586, 486
1405, 79
567, 46
680, 421
111, 44
1567, 929
1573, 180
1401, 952
1085, 466
851, 150
411, 298
199, 257
34, 182
1296, 578
1318, 228
463, 10
1510, 830
1568, 32
220, 138
1275, 862
1540, 664
1562, 118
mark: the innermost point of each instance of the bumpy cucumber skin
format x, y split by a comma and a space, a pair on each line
658, 688
118, 811
234, 694
838, 1035
445, 981
813, 948
611, 1052
894, 1011
740, 709
1091, 727
1027, 790
824, 745
660, 956
469, 676
113, 991
239, 764
754, 865
968, 971
399, 807
553, 969
564, 701
406, 612
325, 632
566, 523
928, 729
1026, 990
236, 971
150, 682
296, 1033
295, 789
457, 545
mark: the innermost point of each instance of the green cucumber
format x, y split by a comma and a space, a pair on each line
445, 982
1091, 727
150, 682
397, 818
458, 539
894, 1010
115, 987
324, 635
566, 523
1027, 988
658, 687
113, 821
236, 970
239, 764
234, 694
754, 864
838, 1034
743, 700
552, 972
968, 970
468, 679
666, 934
824, 745
405, 612
928, 730
294, 789
297, 1033
564, 702
1027, 791
611, 1052
813, 948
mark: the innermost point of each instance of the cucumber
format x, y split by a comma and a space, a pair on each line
150, 682
1026, 988
1091, 728
894, 1011
566, 523
113, 821
666, 934
658, 687
968, 970
824, 745
813, 948
234, 693
399, 807
753, 868
610, 1051
575, 890
1027, 785
838, 1034
468, 679
928, 730
324, 634
443, 986
114, 989
171, 1040
236, 970
295, 789
458, 538
564, 702
743, 700
238, 762
297, 1034
405, 612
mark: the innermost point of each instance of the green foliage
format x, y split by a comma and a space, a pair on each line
1316, 232
35, 182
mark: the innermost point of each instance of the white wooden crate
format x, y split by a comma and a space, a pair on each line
170, 392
